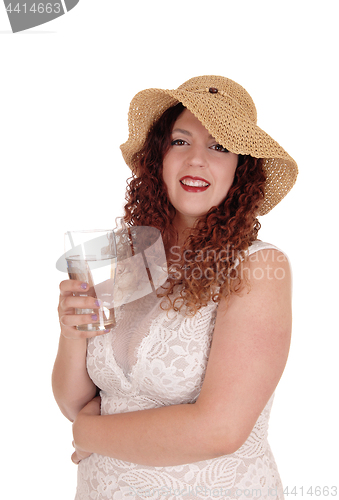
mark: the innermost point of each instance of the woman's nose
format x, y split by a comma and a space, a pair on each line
196, 157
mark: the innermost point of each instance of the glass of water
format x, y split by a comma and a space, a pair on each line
91, 257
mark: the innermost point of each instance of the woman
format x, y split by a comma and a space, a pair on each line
187, 376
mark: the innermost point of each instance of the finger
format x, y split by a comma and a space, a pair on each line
78, 319
74, 301
68, 287
75, 458
70, 332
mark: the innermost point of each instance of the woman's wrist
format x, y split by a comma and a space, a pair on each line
85, 422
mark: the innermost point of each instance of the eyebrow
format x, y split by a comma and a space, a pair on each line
186, 132
182, 131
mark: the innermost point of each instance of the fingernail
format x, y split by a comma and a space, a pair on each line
94, 317
97, 303
84, 286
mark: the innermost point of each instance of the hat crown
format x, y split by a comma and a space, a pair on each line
226, 88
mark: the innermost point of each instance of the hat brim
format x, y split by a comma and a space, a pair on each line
234, 131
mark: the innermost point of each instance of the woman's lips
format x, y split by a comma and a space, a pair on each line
194, 184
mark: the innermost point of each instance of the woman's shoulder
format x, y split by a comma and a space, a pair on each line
262, 245
265, 260
258, 245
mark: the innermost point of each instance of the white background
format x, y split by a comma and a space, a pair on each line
65, 88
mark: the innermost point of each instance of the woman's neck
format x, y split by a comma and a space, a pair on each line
183, 227
176, 239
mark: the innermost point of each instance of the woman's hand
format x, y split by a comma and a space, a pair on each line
69, 300
79, 455
91, 409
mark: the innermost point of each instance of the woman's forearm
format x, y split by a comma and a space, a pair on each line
72, 386
166, 436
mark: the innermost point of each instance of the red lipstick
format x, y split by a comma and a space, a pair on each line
194, 184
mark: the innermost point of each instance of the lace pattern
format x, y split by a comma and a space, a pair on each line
152, 360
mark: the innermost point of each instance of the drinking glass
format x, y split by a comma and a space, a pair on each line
91, 257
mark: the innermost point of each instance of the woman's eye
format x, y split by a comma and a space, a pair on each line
178, 142
219, 147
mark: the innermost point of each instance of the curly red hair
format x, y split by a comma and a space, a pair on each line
207, 265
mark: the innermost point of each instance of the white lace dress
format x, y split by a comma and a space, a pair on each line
150, 360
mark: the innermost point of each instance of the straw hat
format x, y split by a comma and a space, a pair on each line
227, 111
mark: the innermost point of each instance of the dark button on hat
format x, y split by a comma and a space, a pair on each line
213, 90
